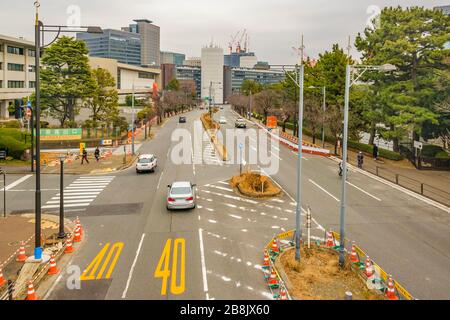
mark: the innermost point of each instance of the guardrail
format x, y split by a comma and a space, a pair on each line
414, 185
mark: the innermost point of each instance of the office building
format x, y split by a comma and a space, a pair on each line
17, 72
446, 11
212, 73
122, 46
240, 60
184, 74
138, 44
193, 62
172, 58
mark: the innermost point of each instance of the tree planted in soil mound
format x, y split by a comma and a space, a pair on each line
255, 185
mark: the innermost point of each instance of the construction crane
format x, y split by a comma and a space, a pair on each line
233, 41
238, 48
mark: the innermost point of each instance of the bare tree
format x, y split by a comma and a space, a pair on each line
267, 101
333, 121
313, 115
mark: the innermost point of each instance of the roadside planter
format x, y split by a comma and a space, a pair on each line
319, 277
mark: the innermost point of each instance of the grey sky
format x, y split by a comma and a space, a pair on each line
274, 26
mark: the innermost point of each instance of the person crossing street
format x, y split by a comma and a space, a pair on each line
97, 154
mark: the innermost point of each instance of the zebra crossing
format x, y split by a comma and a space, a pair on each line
205, 153
80, 193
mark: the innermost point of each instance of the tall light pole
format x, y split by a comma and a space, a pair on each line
348, 84
40, 29
132, 119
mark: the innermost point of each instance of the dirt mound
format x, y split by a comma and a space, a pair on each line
319, 277
254, 185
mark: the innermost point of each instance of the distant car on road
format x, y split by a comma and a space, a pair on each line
240, 123
222, 120
146, 162
182, 119
180, 195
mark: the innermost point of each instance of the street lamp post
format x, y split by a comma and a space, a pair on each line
61, 234
348, 84
40, 29
132, 119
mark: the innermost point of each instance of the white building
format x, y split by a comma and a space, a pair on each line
248, 62
17, 72
212, 73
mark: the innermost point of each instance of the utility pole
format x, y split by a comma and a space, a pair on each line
132, 119
298, 233
323, 116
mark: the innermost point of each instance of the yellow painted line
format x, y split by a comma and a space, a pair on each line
90, 273
164, 272
174, 288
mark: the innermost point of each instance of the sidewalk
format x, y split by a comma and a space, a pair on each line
436, 184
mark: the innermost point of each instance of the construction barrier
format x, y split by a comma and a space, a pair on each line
378, 278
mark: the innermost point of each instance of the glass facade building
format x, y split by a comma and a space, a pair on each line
123, 46
190, 73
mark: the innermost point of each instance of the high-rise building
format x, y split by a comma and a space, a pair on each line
240, 59
122, 46
446, 11
150, 41
172, 58
137, 44
212, 73
17, 72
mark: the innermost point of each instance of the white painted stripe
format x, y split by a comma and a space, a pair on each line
81, 190
17, 182
89, 185
363, 191
159, 181
321, 188
276, 156
68, 205
85, 187
202, 258
72, 193
72, 201
130, 275
76, 197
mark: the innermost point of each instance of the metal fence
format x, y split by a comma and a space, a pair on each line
429, 191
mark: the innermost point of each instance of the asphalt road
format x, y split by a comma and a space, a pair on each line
135, 249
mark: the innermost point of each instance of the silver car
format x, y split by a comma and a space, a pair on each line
181, 195
146, 162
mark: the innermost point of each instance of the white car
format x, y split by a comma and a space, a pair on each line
222, 120
146, 162
180, 195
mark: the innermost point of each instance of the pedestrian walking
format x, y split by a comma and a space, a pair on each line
375, 152
360, 158
84, 157
97, 154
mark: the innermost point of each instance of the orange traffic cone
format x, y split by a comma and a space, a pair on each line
31, 294
77, 235
69, 247
390, 293
21, 257
2, 280
369, 268
266, 263
273, 281
283, 294
353, 255
52, 270
78, 225
275, 248
330, 242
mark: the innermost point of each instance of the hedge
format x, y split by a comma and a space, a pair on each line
433, 151
13, 140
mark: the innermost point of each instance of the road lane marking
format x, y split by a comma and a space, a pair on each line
72, 201
77, 193
159, 181
116, 249
321, 188
17, 182
130, 275
165, 270
363, 191
76, 197
202, 259
53, 206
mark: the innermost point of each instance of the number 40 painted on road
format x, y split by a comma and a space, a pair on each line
163, 271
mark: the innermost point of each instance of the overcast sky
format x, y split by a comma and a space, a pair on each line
274, 26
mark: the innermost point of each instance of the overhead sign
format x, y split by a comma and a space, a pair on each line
272, 122
60, 134
106, 142
418, 145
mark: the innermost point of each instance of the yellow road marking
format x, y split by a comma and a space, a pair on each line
163, 271
90, 272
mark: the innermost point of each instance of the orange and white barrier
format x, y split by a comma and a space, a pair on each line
52, 270
2, 280
21, 257
31, 294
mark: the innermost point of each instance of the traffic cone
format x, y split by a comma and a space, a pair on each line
31, 294
330, 242
77, 235
69, 247
52, 270
266, 263
78, 225
275, 248
21, 257
283, 294
369, 268
390, 293
273, 281
353, 256
2, 280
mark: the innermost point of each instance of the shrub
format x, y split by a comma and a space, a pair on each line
13, 140
11, 124
442, 154
369, 149
432, 151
